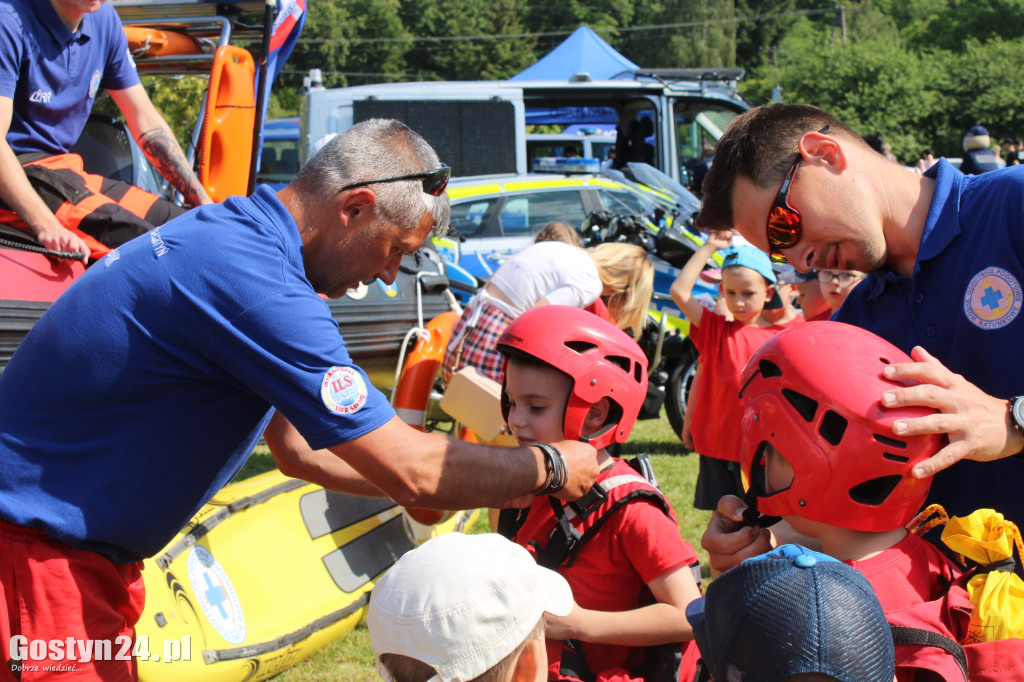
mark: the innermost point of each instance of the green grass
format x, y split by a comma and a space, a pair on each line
350, 657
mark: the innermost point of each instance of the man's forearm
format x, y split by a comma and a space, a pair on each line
432, 470
19, 195
164, 152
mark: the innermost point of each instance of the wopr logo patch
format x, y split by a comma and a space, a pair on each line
343, 390
993, 298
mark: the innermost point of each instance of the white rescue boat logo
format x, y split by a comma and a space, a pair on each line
216, 595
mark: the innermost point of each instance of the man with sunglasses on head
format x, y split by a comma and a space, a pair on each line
144, 388
945, 257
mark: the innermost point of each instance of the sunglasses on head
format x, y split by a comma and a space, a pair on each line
784, 226
434, 181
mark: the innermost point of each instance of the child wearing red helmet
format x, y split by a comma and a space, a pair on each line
819, 451
571, 375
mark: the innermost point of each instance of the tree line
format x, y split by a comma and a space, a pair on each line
919, 72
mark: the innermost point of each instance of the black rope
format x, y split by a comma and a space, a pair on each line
32, 248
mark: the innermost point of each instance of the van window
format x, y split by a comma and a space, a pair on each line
699, 126
279, 162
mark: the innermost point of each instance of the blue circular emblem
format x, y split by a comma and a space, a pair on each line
216, 595
993, 298
94, 84
343, 390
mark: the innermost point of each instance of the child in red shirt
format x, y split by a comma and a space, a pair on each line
748, 284
569, 372
819, 451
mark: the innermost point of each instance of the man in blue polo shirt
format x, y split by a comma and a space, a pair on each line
55, 56
946, 257
144, 387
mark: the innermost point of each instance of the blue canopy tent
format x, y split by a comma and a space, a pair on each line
582, 52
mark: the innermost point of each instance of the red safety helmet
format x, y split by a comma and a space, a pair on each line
601, 360
813, 392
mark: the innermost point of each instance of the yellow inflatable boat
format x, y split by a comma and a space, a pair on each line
269, 571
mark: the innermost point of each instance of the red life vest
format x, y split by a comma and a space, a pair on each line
570, 527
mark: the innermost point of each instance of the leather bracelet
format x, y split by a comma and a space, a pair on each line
557, 471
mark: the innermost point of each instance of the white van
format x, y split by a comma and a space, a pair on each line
666, 117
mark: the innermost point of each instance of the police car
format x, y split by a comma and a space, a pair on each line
494, 217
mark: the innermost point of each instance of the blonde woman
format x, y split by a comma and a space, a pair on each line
628, 278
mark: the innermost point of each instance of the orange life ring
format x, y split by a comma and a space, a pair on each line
412, 394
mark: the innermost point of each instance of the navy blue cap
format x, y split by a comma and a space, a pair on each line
788, 612
787, 274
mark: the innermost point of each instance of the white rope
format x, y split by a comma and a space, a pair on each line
420, 330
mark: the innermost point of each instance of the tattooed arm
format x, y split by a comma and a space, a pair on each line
158, 143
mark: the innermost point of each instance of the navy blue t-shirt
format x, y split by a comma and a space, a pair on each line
145, 386
964, 306
53, 75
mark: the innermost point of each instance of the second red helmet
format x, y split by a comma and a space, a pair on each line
813, 393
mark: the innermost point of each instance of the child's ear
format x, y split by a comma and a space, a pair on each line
769, 292
596, 416
532, 664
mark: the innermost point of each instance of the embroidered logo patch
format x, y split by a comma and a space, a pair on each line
94, 84
343, 390
993, 299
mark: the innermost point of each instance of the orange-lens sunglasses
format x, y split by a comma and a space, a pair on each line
783, 220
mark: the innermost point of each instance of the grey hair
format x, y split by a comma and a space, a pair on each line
376, 149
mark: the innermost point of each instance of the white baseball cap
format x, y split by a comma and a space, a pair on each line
462, 603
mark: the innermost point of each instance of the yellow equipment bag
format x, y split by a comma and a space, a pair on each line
986, 539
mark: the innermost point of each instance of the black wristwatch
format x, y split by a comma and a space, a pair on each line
1016, 406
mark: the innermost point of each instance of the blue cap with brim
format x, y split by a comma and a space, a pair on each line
788, 612
749, 257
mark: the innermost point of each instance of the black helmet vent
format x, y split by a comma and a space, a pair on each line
892, 457
619, 361
805, 407
580, 347
769, 369
833, 426
876, 491
891, 442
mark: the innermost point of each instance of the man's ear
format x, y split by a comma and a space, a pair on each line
823, 147
532, 664
597, 415
356, 203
